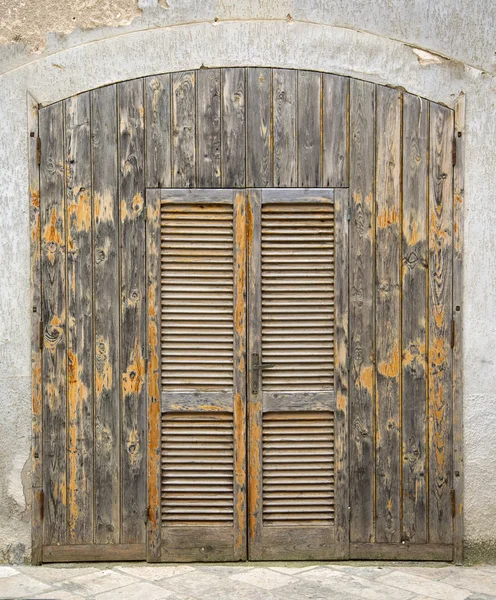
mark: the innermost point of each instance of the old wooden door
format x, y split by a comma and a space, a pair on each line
297, 381
197, 242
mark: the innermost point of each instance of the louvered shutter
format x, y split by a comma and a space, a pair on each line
292, 350
202, 337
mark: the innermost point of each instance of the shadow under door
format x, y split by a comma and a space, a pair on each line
247, 327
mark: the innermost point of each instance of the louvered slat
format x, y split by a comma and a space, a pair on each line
298, 296
197, 469
197, 296
298, 468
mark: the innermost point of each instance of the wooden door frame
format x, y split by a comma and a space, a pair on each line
37, 500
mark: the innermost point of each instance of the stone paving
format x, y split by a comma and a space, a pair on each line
249, 581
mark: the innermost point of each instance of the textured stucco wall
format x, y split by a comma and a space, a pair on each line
367, 40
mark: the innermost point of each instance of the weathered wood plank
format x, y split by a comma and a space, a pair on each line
233, 139
255, 400
298, 401
442, 552
80, 398
258, 128
341, 375
239, 378
53, 314
106, 311
387, 314
208, 544
284, 97
414, 318
35, 299
309, 128
362, 347
208, 131
94, 553
132, 359
153, 375
302, 543
184, 129
440, 323
335, 133
158, 131
458, 225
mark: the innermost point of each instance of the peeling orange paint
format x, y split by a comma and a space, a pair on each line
52, 237
392, 367
53, 334
439, 316
104, 207
79, 212
388, 216
134, 377
366, 378
136, 208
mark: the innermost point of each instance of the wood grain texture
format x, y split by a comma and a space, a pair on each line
362, 310
414, 318
133, 321
208, 544
94, 553
335, 130
106, 315
341, 373
284, 105
154, 369
309, 128
233, 138
458, 226
258, 128
441, 552
158, 131
208, 127
80, 397
184, 129
239, 375
254, 400
54, 314
440, 323
35, 300
388, 315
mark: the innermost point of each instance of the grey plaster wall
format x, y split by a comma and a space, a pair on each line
435, 49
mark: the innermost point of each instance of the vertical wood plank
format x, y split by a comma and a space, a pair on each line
255, 401
309, 128
132, 241
414, 318
341, 204
153, 375
233, 139
239, 382
54, 363
458, 225
335, 105
158, 131
258, 128
362, 334
387, 314
107, 313
80, 320
284, 96
208, 127
35, 298
183, 129
440, 322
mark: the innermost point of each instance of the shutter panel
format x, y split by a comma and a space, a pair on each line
202, 372
292, 390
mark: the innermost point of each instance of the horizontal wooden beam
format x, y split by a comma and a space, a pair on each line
94, 552
402, 551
